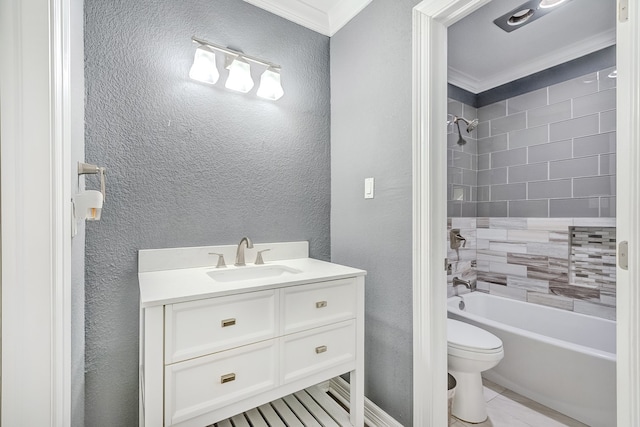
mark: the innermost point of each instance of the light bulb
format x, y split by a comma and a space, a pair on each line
204, 66
239, 76
270, 86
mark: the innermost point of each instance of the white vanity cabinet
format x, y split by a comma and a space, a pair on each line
206, 356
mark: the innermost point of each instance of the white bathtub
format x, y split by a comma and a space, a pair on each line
561, 359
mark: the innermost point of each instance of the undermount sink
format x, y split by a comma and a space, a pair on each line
234, 274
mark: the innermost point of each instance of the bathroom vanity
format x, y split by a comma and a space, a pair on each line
215, 342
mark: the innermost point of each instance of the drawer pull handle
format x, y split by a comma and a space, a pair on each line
321, 349
228, 322
227, 378
321, 304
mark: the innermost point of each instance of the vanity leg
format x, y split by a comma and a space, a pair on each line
152, 338
356, 377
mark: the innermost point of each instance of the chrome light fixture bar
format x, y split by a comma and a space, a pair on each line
204, 69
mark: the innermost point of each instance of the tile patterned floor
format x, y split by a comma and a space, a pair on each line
509, 409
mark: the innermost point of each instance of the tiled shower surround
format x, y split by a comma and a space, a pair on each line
539, 168
528, 259
546, 153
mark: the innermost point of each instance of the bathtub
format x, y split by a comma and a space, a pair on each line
561, 359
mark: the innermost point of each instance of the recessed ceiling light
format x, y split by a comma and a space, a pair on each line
544, 4
520, 17
526, 13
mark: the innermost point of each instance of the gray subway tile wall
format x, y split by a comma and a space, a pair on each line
549, 113
574, 168
574, 88
559, 142
581, 126
571, 208
462, 164
527, 101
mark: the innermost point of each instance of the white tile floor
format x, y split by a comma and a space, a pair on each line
509, 409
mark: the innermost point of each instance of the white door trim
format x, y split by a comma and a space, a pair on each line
628, 214
430, 21
36, 233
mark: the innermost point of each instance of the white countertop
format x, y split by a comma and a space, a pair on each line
186, 284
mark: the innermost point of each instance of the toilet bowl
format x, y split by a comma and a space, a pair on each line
470, 351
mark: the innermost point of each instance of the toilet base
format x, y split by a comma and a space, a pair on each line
469, 404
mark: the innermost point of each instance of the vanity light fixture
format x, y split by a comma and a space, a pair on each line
239, 75
204, 66
87, 204
270, 87
240, 80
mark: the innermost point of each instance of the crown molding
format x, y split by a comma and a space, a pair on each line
326, 22
560, 56
343, 12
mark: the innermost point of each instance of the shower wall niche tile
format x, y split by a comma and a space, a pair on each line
593, 257
566, 263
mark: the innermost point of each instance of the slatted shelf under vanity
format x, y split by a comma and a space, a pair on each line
311, 407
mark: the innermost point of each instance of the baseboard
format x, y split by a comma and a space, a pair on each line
373, 415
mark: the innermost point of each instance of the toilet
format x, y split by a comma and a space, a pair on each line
470, 351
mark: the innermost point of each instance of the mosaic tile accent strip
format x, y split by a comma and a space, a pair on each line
529, 259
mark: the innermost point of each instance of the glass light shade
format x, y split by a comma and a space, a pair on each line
204, 66
544, 4
239, 76
270, 86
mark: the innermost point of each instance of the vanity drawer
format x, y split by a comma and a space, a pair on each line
310, 306
198, 328
313, 351
200, 385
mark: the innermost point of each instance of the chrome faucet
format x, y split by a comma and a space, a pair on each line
466, 283
244, 242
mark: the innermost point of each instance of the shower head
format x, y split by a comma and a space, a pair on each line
471, 125
461, 140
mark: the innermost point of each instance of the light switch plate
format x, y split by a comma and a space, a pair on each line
368, 188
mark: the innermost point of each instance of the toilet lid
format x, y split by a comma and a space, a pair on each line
465, 336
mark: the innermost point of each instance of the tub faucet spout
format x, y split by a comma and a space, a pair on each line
466, 283
244, 242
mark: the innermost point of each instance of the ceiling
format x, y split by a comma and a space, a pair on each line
483, 56
323, 16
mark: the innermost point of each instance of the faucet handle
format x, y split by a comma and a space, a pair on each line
221, 262
259, 259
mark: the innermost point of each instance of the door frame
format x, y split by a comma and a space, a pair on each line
36, 211
430, 21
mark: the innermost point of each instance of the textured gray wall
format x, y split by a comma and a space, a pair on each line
189, 164
371, 137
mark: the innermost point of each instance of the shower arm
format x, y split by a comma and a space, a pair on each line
456, 119
470, 124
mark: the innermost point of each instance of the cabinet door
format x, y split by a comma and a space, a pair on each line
309, 352
310, 306
207, 383
198, 328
